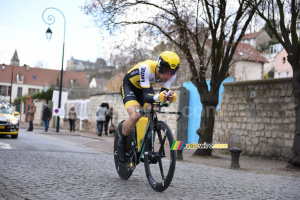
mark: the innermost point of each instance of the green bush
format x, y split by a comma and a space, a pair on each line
271, 74
17, 101
41, 95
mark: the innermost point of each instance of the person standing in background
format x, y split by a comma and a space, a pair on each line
72, 118
46, 117
100, 117
31, 116
108, 117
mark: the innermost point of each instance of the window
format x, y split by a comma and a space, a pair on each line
283, 60
74, 83
279, 75
20, 78
19, 94
32, 91
252, 42
287, 74
9, 91
271, 51
3, 90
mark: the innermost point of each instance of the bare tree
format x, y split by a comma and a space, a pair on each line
206, 31
40, 64
285, 13
113, 85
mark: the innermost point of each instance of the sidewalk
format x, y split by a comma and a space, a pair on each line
247, 163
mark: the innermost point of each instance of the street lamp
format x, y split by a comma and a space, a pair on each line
48, 34
50, 20
11, 82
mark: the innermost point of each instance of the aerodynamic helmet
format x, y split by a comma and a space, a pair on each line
168, 62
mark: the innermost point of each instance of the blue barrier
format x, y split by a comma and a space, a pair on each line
195, 109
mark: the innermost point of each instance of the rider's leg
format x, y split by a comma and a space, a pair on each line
130, 122
127, 129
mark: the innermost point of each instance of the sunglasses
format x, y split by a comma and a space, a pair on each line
164, 70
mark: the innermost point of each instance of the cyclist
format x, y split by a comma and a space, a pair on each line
137, 91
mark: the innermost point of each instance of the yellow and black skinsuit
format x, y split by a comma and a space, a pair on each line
136, 88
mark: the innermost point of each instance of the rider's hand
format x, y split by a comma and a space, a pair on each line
172, 98
162, 97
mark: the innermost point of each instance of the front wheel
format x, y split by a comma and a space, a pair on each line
14, 136
123, 170
160, 161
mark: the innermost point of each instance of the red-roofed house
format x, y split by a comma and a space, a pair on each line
27, 80
98, 84
248, 63
256, 39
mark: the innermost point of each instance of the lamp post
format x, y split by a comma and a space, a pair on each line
11, 82
50, 20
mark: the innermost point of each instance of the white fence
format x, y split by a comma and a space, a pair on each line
82, 108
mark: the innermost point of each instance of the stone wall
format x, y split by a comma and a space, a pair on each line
115, 100
258, 117
38, 117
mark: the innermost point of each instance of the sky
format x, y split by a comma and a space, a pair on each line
23, 29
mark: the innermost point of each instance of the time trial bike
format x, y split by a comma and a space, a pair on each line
151, 143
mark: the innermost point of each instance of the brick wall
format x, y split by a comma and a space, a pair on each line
258, 117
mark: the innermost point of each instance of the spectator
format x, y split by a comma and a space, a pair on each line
31, 116
106, 105
46, 117
72, 118
108, 117
100, 117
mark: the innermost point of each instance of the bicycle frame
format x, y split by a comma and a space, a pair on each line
152, 119
142, 149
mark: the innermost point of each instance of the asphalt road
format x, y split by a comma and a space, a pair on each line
30, 141
54, 167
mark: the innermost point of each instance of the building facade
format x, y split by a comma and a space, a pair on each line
257, 40
248, 64
283, 68
17, 81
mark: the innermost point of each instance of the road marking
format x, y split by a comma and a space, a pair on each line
5, 146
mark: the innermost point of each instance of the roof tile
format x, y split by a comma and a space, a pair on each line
247, 52
40, 76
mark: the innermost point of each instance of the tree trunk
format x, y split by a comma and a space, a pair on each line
206, 129
295, 160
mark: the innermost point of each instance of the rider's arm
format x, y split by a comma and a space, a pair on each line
166, 86
145, 72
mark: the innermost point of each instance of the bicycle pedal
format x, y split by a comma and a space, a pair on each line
152, 160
